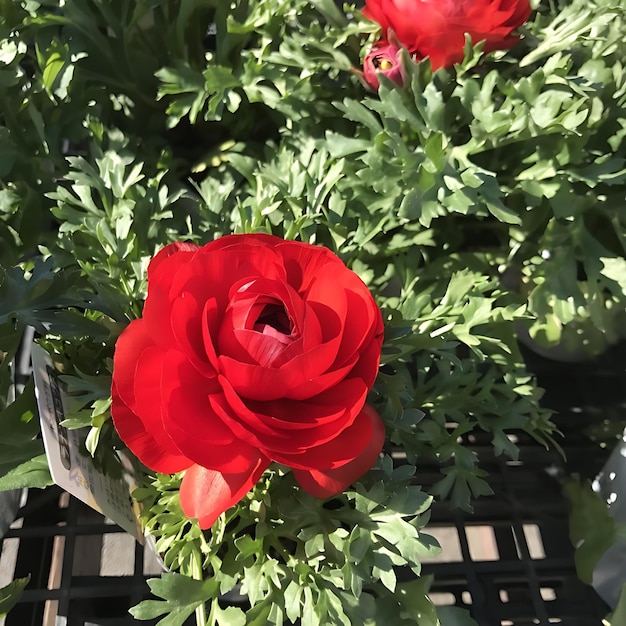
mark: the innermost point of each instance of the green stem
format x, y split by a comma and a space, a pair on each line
212, 611
196, 573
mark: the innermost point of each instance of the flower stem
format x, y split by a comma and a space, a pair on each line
196, 573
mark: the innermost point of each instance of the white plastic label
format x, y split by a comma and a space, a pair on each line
72, 469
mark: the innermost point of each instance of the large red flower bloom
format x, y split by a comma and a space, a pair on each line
251, 349
436, 28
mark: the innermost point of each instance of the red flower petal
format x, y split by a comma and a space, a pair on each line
341, 450
291, 428
128, 348
327, 483
364, 322
437, 28
161, 270
168, 251
188, 321
205, 494
243, 339
243, 242
215, 270
210, 327
303, 262
191, 422
141, 443
151, 367
369, 360
298, 380
304, 375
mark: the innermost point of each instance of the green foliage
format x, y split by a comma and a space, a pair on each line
32, 473
477, 202
22, 459
181, 596
294, 556
10, 594
532, 159
592, 529
454, 616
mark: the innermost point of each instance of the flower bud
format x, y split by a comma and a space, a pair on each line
384, 58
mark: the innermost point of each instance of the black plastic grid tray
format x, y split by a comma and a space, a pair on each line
511, 560
510, 563
525, 574
62, 544
514, 562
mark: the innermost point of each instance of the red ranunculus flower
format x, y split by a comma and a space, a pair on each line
436, 28
251, 349
384, 58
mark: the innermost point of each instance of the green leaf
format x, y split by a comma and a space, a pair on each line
175, 615
8, 152
454, 616
230, 616
331, 12
592, 529
33, 473
293, 595
10, 594
408, 605
19, 423
258, 615
58, 67
413, 598
618, 616
181, 596
187, 87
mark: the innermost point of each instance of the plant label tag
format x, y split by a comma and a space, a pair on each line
71, 466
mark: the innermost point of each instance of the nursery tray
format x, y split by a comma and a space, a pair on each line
510, 562
85, 571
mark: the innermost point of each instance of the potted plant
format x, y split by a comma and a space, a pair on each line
221, 197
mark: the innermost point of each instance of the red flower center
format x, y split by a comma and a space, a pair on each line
274, 316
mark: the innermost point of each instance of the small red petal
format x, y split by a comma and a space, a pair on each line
205, 494
191, 422
297, 429
304, 262
369, 360
161, 272
167, 252
188, 329
210, 326
151, 366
